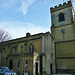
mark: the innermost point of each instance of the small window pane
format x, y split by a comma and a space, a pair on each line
18, 64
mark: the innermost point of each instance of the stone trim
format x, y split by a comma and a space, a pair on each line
65, 41
65, 5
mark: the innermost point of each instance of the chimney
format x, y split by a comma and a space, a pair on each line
28, 34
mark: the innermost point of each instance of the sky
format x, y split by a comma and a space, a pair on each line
21, 16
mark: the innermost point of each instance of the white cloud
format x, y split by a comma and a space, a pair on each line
18, 5
25, 4
19, 29
6, 4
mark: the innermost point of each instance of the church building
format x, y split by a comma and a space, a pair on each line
44, 53
33, 54
63, 32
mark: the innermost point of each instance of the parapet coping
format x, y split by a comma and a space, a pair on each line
65, 5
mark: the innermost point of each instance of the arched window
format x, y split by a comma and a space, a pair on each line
26, 64
11, 64
18, 64
31, 48
3, 56
13, 50
61, 17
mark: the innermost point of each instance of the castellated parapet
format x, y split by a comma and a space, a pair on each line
65, 5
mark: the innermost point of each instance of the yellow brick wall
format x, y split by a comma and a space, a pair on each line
65, 49
69, 33
65, 55
65, 63
22, 63
36, 43
35, 40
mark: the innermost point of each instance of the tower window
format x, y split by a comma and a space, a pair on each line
61, 17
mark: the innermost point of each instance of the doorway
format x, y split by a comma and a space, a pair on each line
11, 64
51, 68
36, 67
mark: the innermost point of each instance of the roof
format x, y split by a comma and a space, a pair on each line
23, 39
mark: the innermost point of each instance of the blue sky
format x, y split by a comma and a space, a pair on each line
21, 16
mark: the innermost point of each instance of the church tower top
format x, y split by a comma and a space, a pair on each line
62, 15
65, 5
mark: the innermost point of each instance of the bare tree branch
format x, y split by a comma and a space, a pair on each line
4, 36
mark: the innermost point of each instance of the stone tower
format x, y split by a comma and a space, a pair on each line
63, 31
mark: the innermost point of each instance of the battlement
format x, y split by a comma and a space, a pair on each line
65, 5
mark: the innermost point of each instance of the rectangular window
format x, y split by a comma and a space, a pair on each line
26, 64
18, 64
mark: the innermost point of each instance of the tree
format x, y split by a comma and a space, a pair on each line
4, 35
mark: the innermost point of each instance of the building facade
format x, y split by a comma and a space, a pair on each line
63, 32
33, 54
44, 53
